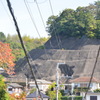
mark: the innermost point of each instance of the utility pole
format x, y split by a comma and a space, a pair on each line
57, 80
26, 84
72, 91
36, 94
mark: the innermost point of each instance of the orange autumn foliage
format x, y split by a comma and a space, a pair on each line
21, 96
6, 58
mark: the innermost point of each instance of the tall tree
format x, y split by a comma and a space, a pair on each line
97, 4
2, 37
51, 92
76, 23
6, 58
86, 21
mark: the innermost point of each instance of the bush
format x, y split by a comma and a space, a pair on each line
97, 90
70, 98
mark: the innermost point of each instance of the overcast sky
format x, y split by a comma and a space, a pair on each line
24, 21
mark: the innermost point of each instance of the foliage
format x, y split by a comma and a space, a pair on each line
2, 37
29, 43
98, 29
70, 98
32, 90
97, 90
84, 21
51, 92
17, 50
80, 89
62, 92
3, 93
22, 96
97, 4
6, 58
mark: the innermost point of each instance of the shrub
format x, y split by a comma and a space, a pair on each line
70, 98
97, 90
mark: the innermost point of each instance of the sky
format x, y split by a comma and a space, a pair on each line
24, 21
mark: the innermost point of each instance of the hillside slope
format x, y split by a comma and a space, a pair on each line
78, 54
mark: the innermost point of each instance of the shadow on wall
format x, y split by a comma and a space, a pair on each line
66, 69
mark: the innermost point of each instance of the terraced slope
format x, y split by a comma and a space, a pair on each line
77, 54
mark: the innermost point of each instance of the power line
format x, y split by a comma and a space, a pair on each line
19, 35
38, 2
6, 11
30, 13
34, 65
57, 37
40, 13
93, 71
44, 23
97, 57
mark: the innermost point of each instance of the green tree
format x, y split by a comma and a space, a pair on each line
75, 23
51, 92
51, 24
2, 37
97, 4
80, 89
3, 93
98, 29
17, 50
97, 90
30, 43
86, 21
32, 90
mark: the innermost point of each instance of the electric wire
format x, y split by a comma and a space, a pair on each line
30, 13
42, 18
67, 61
57, 37
91, 77
92, 72
6, 11
39, 2
20, 38
93, 69
40, 13
33, 65
44, 24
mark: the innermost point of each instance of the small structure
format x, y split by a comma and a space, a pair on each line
35, 96
93, 96
14, 88
1, 70
43, 84
84, 82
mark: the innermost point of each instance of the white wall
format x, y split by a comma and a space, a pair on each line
92, 85
14, 90
41, 86
88, 96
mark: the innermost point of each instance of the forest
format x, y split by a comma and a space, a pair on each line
79, 22
84, 21
15, 45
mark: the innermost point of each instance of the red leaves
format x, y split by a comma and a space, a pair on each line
6, 58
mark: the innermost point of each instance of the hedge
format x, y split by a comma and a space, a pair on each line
70, 98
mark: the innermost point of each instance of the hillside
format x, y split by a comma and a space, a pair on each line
78, 54
73, 43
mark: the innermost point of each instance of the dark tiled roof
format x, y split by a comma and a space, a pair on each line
34, 95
